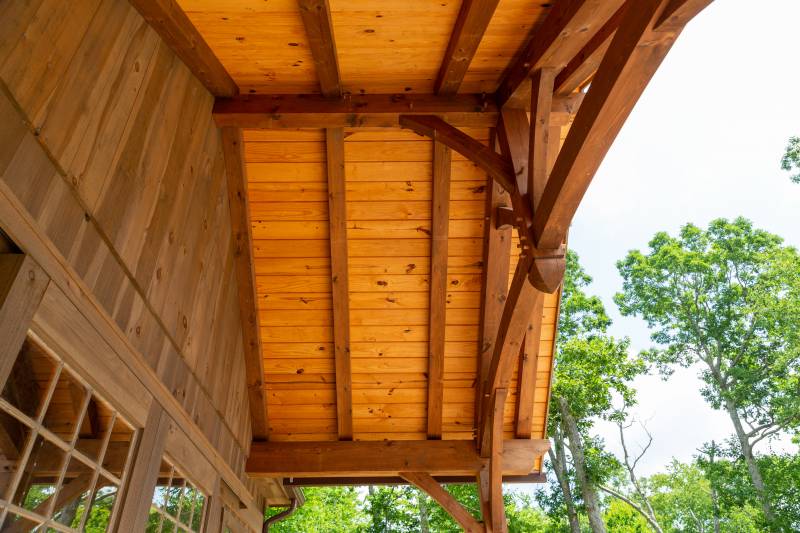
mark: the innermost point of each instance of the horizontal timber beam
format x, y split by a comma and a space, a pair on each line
280, 111
370, 459
536, 477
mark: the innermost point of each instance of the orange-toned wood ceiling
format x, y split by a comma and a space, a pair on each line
384, 46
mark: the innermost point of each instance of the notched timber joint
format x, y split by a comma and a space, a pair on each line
547, 270
505, 218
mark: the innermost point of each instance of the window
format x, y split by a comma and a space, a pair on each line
64, 450
177, 504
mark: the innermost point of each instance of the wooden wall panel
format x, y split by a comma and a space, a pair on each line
109, 144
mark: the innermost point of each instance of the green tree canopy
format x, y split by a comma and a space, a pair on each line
729, 297
790, 161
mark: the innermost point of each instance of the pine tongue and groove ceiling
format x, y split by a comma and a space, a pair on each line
383, 46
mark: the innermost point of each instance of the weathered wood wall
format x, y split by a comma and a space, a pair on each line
107, 141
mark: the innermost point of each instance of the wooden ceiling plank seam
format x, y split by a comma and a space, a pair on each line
526, 382
568, 25
316, 15
337, 209
581, 67
242, 237
494, 286
541, 104
440, 201
437, 129
633, 56
473, 19
426, 483
173, 25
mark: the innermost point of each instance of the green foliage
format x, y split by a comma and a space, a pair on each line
393, 509
683, 501
728, 296
791, 159
397, 509
592, 368
622, 518
326, 510
781, 472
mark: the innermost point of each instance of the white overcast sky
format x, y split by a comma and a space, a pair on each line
703, 142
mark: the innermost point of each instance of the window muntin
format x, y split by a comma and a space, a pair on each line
64, 448
177, 505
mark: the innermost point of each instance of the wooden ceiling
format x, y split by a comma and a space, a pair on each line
411, 168
383, 46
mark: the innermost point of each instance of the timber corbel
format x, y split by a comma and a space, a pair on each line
505, 218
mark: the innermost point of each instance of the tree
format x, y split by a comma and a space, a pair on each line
728, 297
682, 498
592, 370
639, 501
326, 510
728, 474
791, 159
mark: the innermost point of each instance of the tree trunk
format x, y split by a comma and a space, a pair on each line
422, 505
559, 461
590, 498
752, 466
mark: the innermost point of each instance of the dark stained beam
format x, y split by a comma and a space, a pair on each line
541, 104
334, 140
678, 13
536, 477
473, 18
496, 264
514, 323
581, 67
565, 30
483, 482
438, 286
233, 151
633, 56
278, 111
316, 15
175, 28
514, 135
427, 484
370, 459
483, 156
526, 377
352, 111
497, 458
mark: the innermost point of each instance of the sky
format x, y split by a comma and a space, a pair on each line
703, 142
